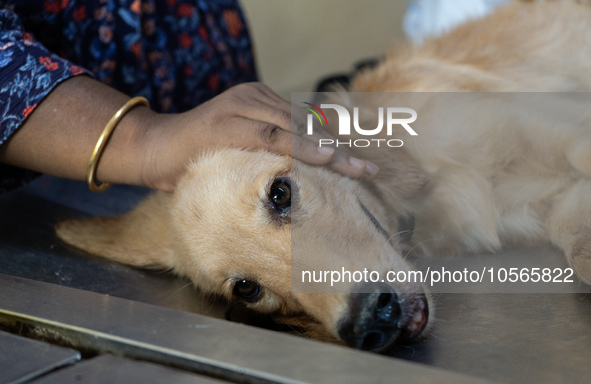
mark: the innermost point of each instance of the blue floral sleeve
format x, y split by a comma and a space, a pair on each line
28, 72
176, 53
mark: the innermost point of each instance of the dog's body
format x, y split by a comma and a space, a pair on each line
500, 176
227, 227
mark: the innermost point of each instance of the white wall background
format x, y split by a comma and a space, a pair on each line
299, 41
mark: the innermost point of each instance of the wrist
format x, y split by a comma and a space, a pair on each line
166, 144
124, 158
59, 136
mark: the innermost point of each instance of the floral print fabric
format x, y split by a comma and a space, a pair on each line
176, 53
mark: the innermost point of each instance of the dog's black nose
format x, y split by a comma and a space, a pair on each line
387, 308
372, 319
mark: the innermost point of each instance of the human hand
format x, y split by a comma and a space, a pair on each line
151, 149
246, 116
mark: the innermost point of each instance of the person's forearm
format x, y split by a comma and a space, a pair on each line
60, 134
151, 149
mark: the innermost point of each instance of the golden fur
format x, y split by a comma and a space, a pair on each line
215, 228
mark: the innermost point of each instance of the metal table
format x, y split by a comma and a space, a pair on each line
134, 320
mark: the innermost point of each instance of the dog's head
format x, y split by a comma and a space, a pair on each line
240, 223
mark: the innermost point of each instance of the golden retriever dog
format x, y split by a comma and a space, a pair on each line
231, 223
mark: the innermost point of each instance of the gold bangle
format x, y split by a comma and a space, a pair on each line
102, 141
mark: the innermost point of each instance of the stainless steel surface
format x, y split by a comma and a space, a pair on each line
232, 351
23, 359
29, 248
512, 338
109, 369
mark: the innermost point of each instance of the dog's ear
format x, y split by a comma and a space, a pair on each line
139, 238
400, 177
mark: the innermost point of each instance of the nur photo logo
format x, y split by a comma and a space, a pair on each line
393, 116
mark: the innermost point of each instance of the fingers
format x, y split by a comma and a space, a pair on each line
258, 102
343, 162
353, 166
258, 135
308, 152
255, 134
276, 126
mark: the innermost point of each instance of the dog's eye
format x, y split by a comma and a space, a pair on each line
280, 197
247, 291
281, 193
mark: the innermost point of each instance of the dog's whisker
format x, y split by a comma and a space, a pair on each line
180, 289
298, 331
416, 245
397, 234
212, 300
207, 300
411, 348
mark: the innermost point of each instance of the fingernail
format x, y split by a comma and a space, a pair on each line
325, 151
371, 168
356, 163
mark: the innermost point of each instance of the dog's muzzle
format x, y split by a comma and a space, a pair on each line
376, 320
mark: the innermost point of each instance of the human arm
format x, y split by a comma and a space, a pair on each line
50, 122
147, 148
